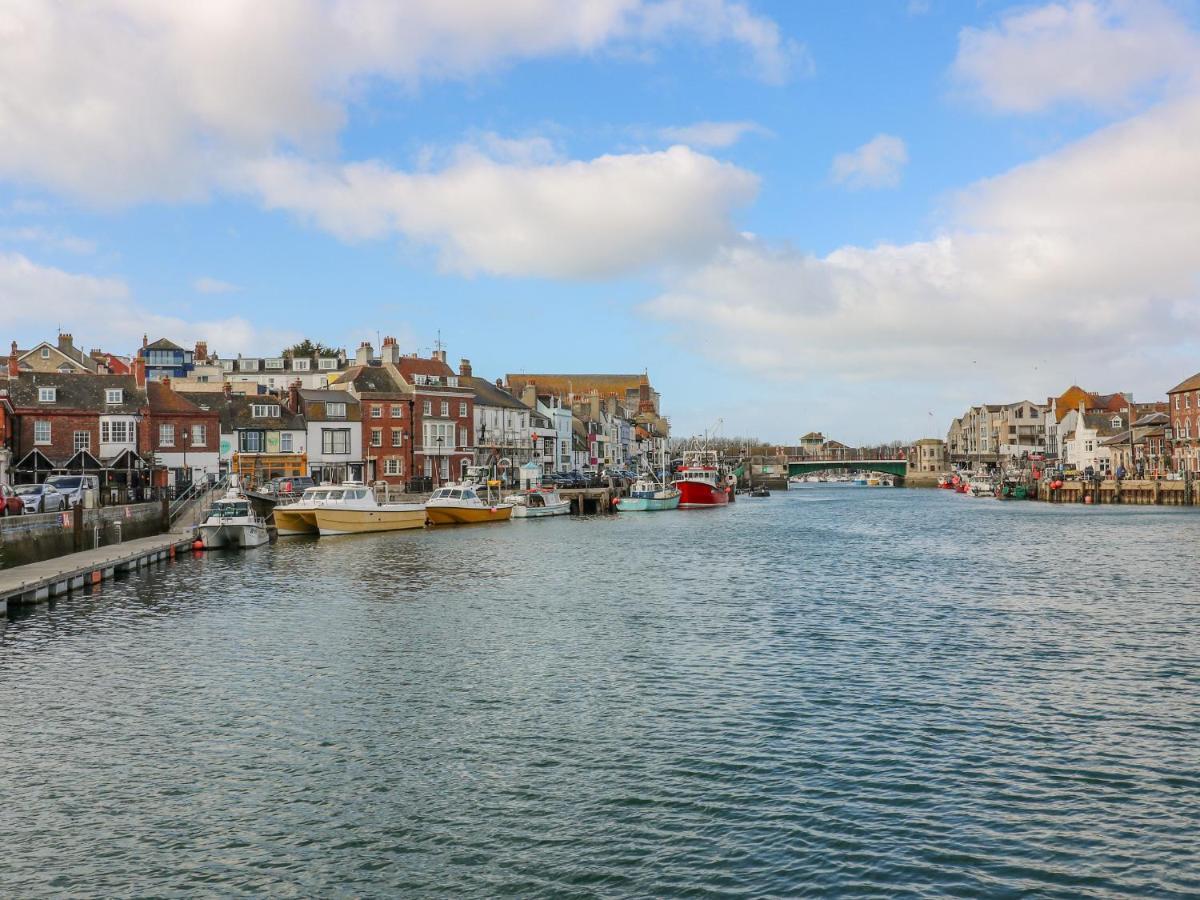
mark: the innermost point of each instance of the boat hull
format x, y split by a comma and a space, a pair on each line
295, 521
541, 512
648, 504
233, 537
364, 521
458, 515
696, 494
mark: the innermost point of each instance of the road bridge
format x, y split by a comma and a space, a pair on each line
897, 468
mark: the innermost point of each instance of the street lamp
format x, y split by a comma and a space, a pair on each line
439, 461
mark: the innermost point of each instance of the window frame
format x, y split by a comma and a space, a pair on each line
49, 438
47, 395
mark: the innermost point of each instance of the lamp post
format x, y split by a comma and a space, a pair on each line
439, 461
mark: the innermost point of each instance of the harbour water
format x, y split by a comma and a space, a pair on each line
835, 691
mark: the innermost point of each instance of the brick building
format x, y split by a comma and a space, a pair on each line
1183, 401
182, 437
388, 406
443, 415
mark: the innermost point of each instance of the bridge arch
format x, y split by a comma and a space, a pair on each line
895, 467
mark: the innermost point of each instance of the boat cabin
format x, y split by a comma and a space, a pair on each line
455, 493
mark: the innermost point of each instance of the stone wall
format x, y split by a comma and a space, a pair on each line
26, 539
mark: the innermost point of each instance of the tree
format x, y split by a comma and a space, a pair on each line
307, 348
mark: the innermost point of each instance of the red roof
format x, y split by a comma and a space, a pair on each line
415, 365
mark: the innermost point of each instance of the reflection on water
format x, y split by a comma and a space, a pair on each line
834, 690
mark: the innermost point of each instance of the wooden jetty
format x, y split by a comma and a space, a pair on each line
40, 581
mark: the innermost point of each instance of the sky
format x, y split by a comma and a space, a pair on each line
858, 218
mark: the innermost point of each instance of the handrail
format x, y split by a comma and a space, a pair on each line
197, 491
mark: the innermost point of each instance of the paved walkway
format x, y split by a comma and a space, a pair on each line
25, 582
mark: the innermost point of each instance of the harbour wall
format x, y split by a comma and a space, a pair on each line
1141, 492
27, 539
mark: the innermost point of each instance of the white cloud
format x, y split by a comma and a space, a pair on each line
877, 163
118, 101
207, 285
102, 312
710, 134
1074, 267
572, 219
46, 237
1089, 52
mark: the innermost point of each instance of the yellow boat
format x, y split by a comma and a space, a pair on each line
385, 517
462, 505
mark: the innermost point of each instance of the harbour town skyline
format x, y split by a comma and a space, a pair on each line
875, 218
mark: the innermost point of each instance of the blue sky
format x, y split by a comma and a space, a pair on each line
872, 214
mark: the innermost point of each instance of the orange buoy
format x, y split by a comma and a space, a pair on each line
197, 545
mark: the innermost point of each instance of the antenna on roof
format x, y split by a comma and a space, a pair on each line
438, 345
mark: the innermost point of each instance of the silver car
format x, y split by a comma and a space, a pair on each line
40, 498
72, 487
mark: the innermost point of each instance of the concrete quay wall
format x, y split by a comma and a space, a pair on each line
28, 539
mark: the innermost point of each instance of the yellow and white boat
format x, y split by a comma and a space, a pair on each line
349, 508
465, 504
300, 517
357, 511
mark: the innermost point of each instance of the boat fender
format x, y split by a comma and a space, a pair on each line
616, 500
197, 545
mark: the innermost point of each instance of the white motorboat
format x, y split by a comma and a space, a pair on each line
537, 503
232, 523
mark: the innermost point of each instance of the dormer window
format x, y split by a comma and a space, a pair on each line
452, 380
248, 365
113, 395
274, 364
47, 394
326, 363
335, 410
264, 411
1116, 421
301, 365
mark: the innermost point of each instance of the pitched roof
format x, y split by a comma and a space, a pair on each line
1101, 423
487, 394
78, 392
813, 436
606, 385
417, 365
317, 395
163, 344
371, 380
235, 410
164, 400
1190, 384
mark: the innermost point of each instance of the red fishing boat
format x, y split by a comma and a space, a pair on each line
701, 480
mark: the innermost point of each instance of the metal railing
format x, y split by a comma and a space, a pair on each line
194, 497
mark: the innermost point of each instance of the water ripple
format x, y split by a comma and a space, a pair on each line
833, 692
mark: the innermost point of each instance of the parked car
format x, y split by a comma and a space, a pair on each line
39, 498
73, 487
10, 503
288, 486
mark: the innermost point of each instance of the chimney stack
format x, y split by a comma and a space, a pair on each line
364, 354
145, 340
529, 395
139, 371
166, 382
14, 364
594, 405
464, 368
201, 352
439, 355
227, 387
390, 351
66, 343
294, 397
645, 403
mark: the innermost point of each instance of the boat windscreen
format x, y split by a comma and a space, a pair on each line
335, 495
